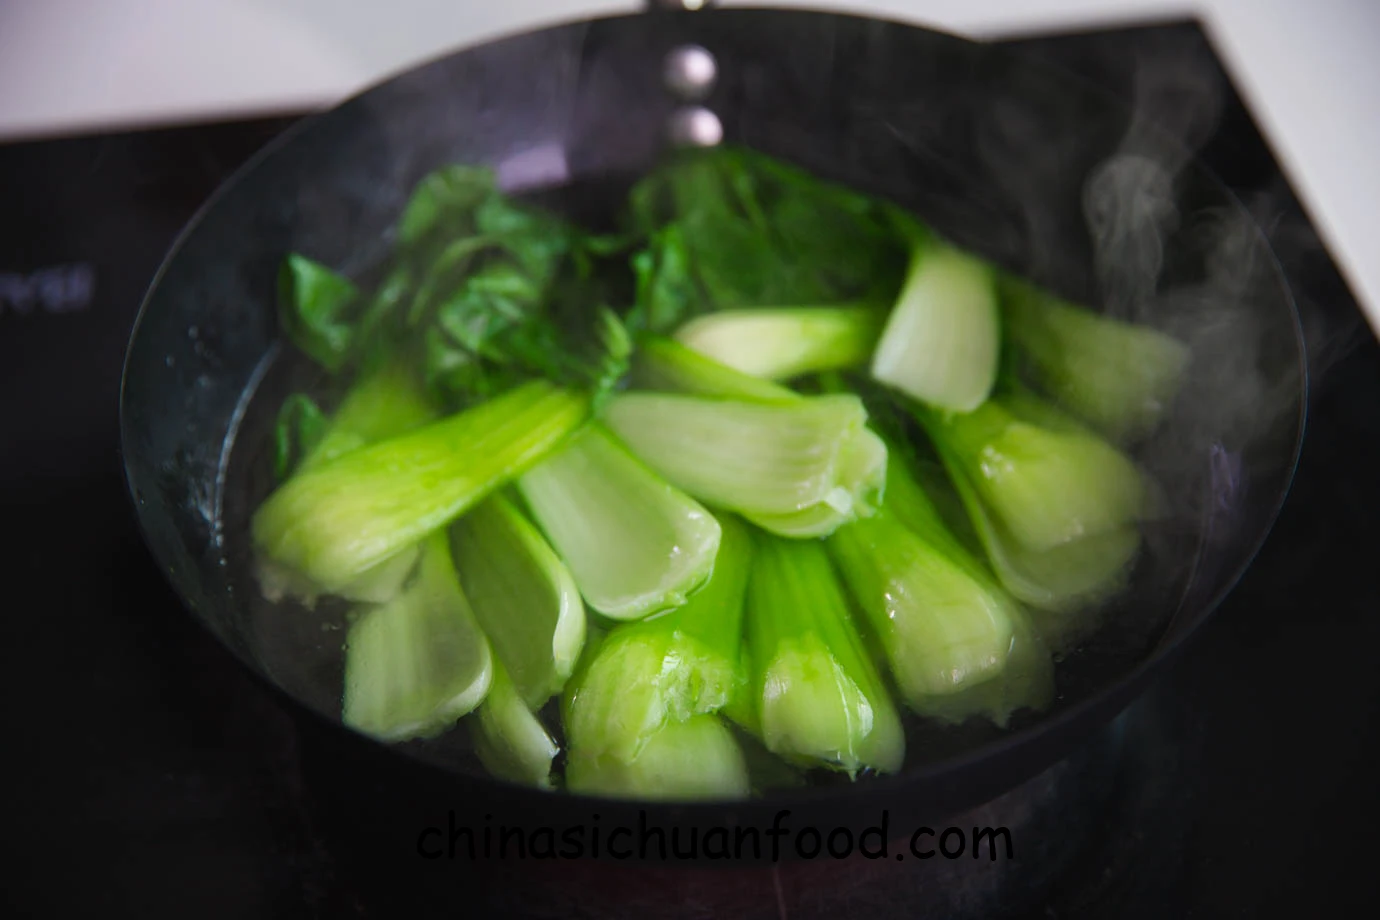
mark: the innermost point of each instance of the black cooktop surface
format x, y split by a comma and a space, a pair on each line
150, 776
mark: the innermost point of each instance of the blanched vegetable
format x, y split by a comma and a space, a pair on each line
784, 342
732, 228
942, 342
1046, 487
695, 759
419, 662
509, 739
957, 644
635, 544
331, 524
666, 366
1060, 577
1117, 376
384, 403
313, 302
523, 595
1063, 579
861, 475
671, 667
800, 468
387, 400
702, 430
814, 695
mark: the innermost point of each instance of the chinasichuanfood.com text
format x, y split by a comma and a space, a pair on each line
649, 841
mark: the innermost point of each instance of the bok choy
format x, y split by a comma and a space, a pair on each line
386, 400
813, 694
527, 603
668, 668
1117, 376
670, 477
524, 596
942, 342
1055, 507
418, 662
956, 642
800, 468
332, 523
695, 759
508, 737
635, 545
778, 343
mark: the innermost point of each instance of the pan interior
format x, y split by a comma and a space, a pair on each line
1022, 164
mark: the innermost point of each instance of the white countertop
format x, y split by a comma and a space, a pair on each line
1309, 71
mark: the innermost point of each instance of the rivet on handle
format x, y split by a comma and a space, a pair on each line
690, 72
696, 126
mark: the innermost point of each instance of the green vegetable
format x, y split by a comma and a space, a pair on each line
781, 343
313, 304
503, 292
625, 385
817, 697
1063, 580
1076, 573
385, 401
524, 596
957, 644
800, 468
332, 523
1047, 487
862, 473
750, 231
665, 287
1117, 376
419, 662
695, 759
670, 667
942, 342
635, 544
509, 739
666, 366
482, 292
300, 427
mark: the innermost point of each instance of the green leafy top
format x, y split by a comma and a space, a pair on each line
730, 228
483, 290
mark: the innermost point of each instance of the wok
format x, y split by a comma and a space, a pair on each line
1024, 163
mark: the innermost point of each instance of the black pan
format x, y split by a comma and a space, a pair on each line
1023, 163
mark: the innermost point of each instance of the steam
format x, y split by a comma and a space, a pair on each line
1130, 207
1207, 277
1130, 199
1210, 276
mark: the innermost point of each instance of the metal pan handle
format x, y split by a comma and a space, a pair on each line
689, 73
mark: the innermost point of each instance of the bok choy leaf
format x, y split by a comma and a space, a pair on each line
634, 544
